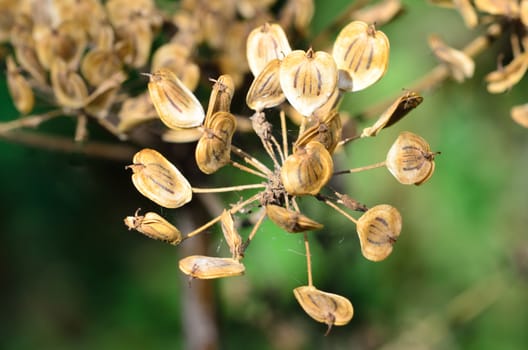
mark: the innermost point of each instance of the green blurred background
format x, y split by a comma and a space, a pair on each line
73, 277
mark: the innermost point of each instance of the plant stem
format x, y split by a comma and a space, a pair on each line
227, 189
29, 121
340, 211
363, 168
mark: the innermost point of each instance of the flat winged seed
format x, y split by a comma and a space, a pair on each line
290, 220
378, 229
265, 91
221, 96
208, 267
306, 171
506, 77
399, 109
460, 64
233, 239
362, 55
265, 43
159, 180
176, 105
328, 308
154, 226
410, 159
308, 79
520, 114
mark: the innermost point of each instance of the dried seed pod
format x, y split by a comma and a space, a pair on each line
378, 229
175, 57
19, 88
350, 203
307, 170
290, 220
326, 131
207, 267
399, 109
159, 180
154, 226
265, 91
508, 8
362, 55
221, 96
68, 86
520, 114
266, 43
379, 13
135, 42
102, 98
461, 65
182, 135
308, 79
213, 150
506, 77
233, 239
28, 60
135, 111
410, 159
328, 308
330, 106
98, 64
176, 105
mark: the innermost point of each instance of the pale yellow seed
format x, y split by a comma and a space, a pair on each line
208, 267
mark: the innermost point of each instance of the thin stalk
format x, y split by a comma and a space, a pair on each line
251, 160
227, 189
363, 168
340, 211
284, 134
29, 121
347, 140
278, 147
80, 129
254, 230
247, 169
308, 259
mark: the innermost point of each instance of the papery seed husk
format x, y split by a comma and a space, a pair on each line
520, 114
69, 87
265, 91
135, 111
97, 65
363, 53
233, 239
461, 65
308, 170
213, 150
328, 308
28, 60
410, 159
19, 88
330, 106
135, 42
290, 220
378, 230
308, 79
176, 105
506, 77
182, 135
396, 111
326, 131
265, 43
102, 98
175, 57
221, 96
154, 226
159, 180
208, 267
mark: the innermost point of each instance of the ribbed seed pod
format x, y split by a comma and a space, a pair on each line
154, 226
68, 86
378, 229
265, 91
220, 99
19, 88
176, 105
99, 64
308, 79
213, 150
208, 267
233, 239
410, 159
307, 170
362, 55
290, 220
266, 43
396, 111
159, 180
326, 131
328, 308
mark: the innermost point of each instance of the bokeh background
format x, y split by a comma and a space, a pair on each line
73, 277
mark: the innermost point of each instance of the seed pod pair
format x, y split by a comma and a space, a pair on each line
290, 220
221, 96
208, 267
264, 44
326, 131
506, 77
154, 226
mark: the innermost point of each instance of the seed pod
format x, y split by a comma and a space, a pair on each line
506, 77
207, 267
378, 229
213, 150
135, 111
182, 135
520, 114
135, 42
362, 55
154, 226
102, 98
399, 109
307, 170
523, 9
176, 105
410, 159
326, 131
324, 307
460, 64
330, 106
221, 96
266, 43
159, 180
98, 64
265, 91
308, 79
19, 88
290, 220
508, 8
69, 87
233, 239
175, 56
467, 11
28, 60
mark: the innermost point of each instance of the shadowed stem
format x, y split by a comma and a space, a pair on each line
363, 168
29, 121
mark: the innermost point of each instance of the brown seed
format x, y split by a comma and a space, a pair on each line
19, 88
233, 239
207, 267
324, 307
308, 79
221, 96
176, 105
460, 64
265, 91
159, 180
265, 43
399, 109
135, 42
154, 226
326, 131
308, 170
362, 55
378, 229
410, 159
290, 220
506, 77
